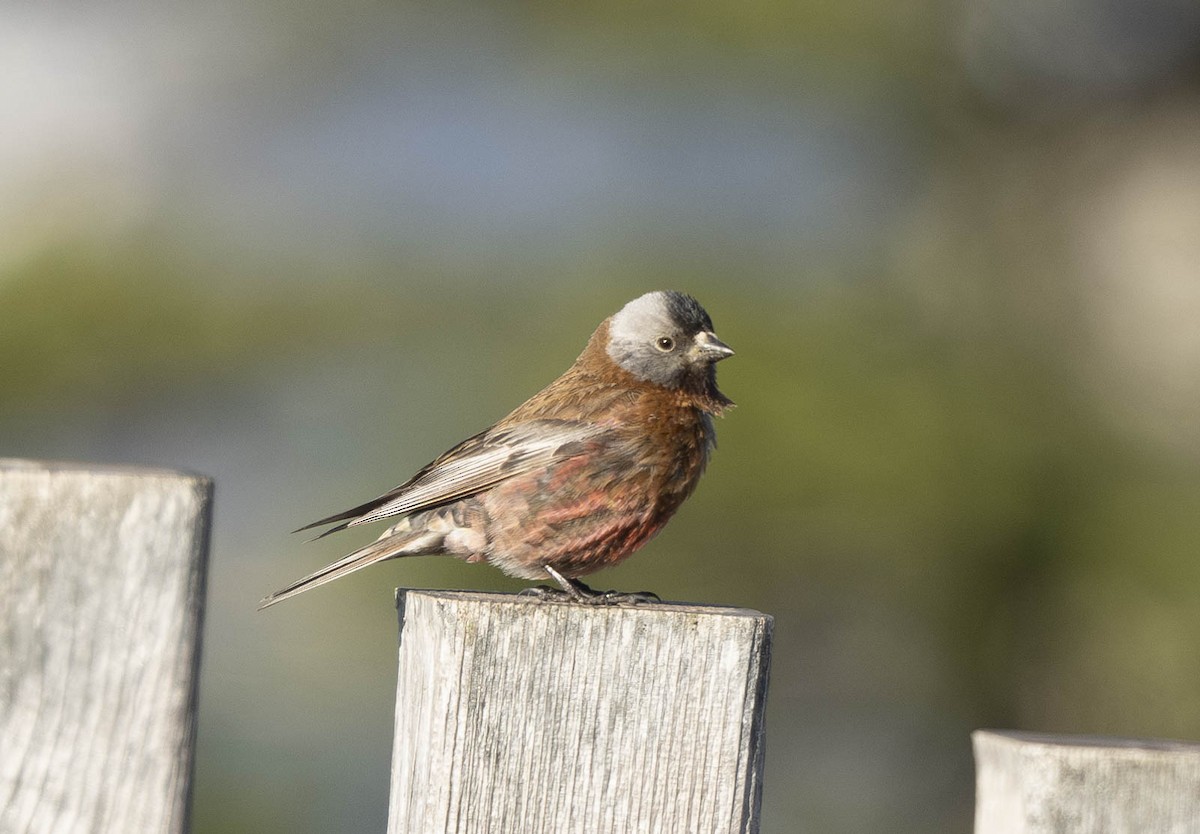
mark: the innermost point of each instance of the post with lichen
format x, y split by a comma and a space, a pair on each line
520, 715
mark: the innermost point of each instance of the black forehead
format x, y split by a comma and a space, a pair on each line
686, 311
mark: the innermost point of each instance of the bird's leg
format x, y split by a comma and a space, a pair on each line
573, 588
569, 592
575, 591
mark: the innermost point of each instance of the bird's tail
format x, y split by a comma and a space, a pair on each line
389, 546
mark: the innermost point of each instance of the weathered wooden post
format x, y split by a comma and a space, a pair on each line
516, 715
102, 584
1028, 783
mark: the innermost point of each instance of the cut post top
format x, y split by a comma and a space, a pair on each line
532, 603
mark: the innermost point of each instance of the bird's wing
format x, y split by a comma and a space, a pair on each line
474, 465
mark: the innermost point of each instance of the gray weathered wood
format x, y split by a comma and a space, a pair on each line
1041, 784
514, 715
102, 583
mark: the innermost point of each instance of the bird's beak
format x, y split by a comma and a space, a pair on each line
709, 347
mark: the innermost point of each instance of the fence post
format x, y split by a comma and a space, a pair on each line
102, 584
1027, 783
527, 717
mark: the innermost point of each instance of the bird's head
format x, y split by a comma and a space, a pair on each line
667, 338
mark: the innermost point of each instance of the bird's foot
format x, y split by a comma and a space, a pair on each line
575, 591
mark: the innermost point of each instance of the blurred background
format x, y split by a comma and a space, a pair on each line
305, 247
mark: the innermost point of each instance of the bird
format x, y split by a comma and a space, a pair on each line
577, 477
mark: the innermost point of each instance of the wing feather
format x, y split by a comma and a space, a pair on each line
474, 465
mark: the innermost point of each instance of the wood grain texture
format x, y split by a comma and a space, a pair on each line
1040, 784
102, 582
514, 715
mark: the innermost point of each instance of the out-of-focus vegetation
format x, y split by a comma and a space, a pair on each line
956, 246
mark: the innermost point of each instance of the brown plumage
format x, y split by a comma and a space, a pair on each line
577, 477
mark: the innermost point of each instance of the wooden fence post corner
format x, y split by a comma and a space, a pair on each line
1030, 783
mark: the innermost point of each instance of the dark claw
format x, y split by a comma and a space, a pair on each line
546, 594
630, 598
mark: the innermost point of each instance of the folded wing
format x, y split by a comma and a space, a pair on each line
474, 465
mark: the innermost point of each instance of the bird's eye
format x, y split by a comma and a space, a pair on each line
665, 343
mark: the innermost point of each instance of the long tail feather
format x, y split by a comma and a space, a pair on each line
353, 512
377, 551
